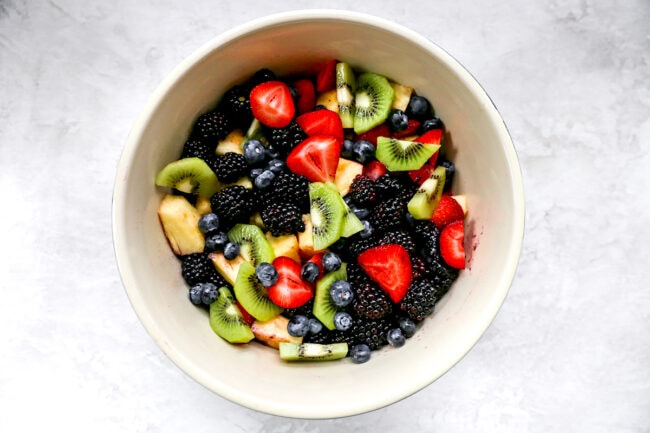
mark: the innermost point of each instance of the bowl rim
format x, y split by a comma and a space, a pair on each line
145, 114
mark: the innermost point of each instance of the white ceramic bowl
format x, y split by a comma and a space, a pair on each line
488, 174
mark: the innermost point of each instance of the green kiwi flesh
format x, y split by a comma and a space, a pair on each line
324, 308
403, 155
252, 295
327, 211
351, 223
372, 101
345, 88
189, 175
254, 247
312, 351
227, 321
426, 198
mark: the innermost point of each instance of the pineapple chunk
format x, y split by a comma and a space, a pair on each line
329, 100
180, 222
232, 143
272, 332
286, 245
402, 96
306, 238
345, 173
227, 268
203, 205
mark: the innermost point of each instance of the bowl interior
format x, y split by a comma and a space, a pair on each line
487, 173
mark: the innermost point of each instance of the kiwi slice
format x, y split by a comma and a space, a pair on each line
253, 245
326, 211
252, 295
189, 175
345, 88
312, 351
324, 309
255, 132
227, 321
351, 223
403, 155
427, 197
372, 101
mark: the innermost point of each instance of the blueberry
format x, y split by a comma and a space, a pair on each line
276, 165
450, 169
331, 261
367, 229
395, 337
339, 245
255, 172
363, 151
418, 107
266, 274
398, 120
298, 326
346, 150
195, 294
407, 326
410, 219
215, 242
342, 321
433, 123
209, 293
272, 153
208, 223
231, 250
315, 326
254, 152
360, 353
264, 179
310, 272
360, 212
341, 293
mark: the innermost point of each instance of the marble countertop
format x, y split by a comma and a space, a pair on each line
569, 350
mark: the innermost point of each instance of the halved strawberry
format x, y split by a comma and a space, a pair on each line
452, 244
321, 122
272, 104
411, 129
447, 211
389, 266
378, 131
326, 77
316, 158
306, 95
374, 169
290, 291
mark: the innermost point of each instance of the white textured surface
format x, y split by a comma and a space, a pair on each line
570, 349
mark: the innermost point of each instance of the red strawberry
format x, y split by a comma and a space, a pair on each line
447, 211
290, 291
318, 259
452, 246
247, 316
430, 137
411, 129
321, 122
326, 77
374, 169
433, 136
378, 131
390, 267
316, 158
272, 104
306, 95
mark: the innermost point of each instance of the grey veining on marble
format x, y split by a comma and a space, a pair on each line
569, 350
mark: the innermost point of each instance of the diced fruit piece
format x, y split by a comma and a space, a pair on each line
272, 104
329, 100
326, 77
180, 222
306, 238
227, 321
285, 245
390, 267
423, 173
346, 84
252, 295
372, 99
290, 291
345, 173
321, 122
247, 317
411, 129
313, 351
402, 96
253, 245
327, 212
317, 260
447, 211
433, 136
203, 205
306, 95
381, 130
351, 223
452, 247
324, 308
374, 170
402, 155
316, 158
232, 143
227, 268
189, 175
426, 198
254, 132
274, 331
462, 201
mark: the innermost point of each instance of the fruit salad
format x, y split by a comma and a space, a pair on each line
315, 214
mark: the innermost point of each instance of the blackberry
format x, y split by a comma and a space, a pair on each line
230, 167
370, 301
400, 237
303, 310
213, 125
419, 266
199, 149
261, 76
427, 235
388, 214
327, 336
197, 268
283, 140
371, 332
287, 187
282, 219
362, 191
236, 102
420, 299
233, 204
390, 185
442, 275
356, 245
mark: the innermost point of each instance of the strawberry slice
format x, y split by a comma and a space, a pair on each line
411, 128
326, 77
433, 136
389, 266
318, 259
447, 211
306, 95
374, 169
452, 247
290, 291
321, 122
423, 173
378, 131
316, 158
245, 314
272, 104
